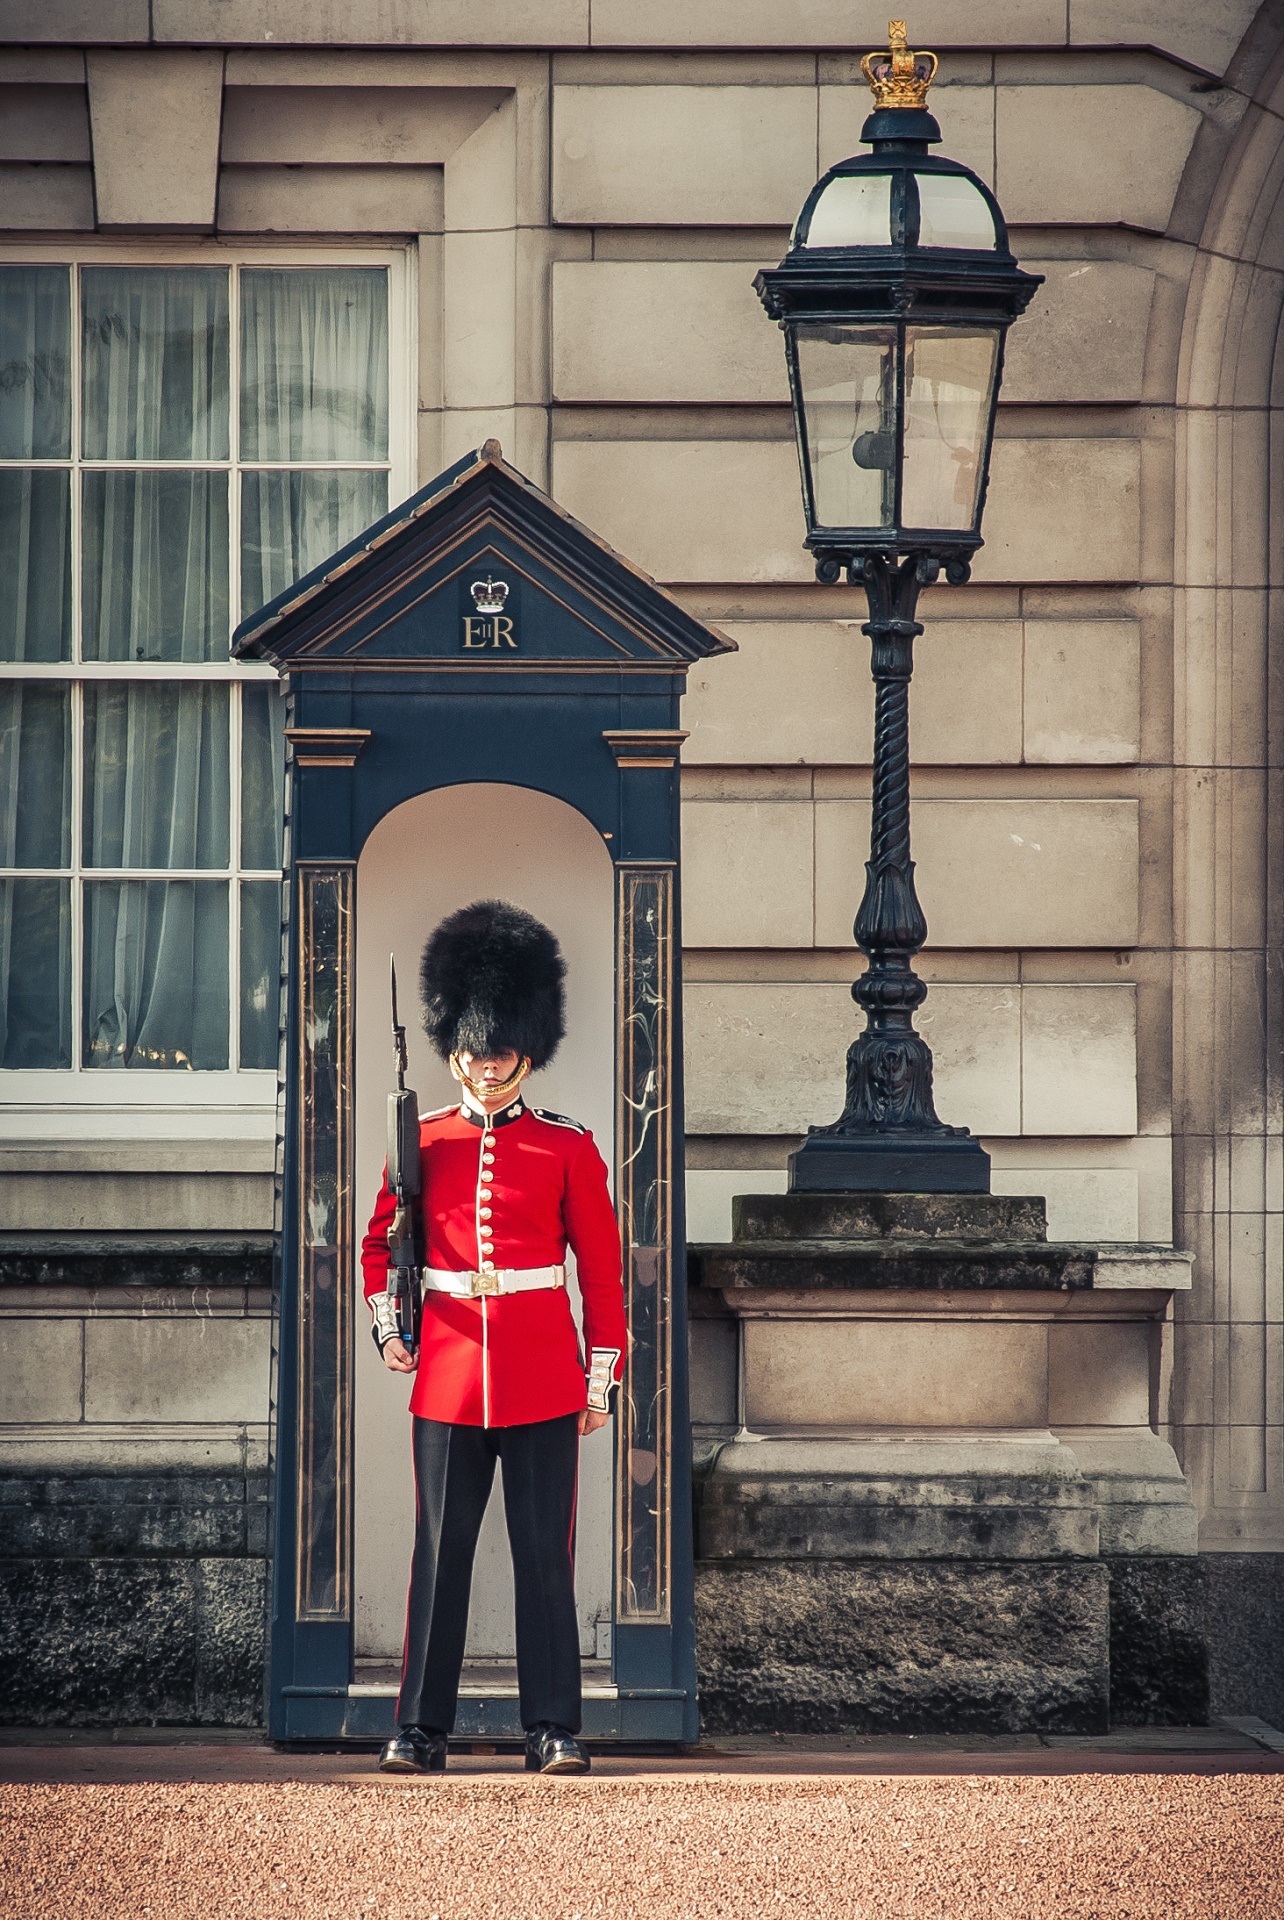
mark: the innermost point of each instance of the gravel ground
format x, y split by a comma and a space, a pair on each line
708, 1848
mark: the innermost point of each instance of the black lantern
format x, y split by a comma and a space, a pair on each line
894, 299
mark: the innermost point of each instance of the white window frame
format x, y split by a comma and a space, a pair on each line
80, 1102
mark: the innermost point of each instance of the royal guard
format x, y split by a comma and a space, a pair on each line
500, 1375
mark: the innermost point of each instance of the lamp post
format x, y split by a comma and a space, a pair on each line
894, 299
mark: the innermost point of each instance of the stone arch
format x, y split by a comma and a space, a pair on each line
1227, 1400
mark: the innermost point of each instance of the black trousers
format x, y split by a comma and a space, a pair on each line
454, 1469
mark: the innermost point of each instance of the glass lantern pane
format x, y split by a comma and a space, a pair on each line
855, 210
952, 213
949, 378
848, 378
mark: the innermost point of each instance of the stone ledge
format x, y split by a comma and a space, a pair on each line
136, 1260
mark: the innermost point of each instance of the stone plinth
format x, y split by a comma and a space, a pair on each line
947, 1438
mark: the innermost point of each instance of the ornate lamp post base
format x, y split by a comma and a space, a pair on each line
888, 1138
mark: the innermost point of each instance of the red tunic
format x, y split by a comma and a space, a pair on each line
503, 1359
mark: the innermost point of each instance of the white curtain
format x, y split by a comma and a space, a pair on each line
314, 386
35, 921
156, 795
35, 424
314, 365
155, 363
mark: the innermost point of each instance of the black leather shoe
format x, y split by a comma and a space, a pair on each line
554, 1750
414, 1751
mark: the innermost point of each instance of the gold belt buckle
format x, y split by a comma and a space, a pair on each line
480, 1283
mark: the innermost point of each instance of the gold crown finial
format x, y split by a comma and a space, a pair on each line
897, 77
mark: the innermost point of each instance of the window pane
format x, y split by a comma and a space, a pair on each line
35, 361
35, 565
155, 376
262, 775
849, 394
35, 973
156, 774
948, 377
155, 566
291, 522
260, 972
35, 775
156, 990
314, 364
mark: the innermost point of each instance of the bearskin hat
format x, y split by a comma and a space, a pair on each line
492, 980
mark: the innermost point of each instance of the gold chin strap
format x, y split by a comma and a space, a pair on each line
482, 1091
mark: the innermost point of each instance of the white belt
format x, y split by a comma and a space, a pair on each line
467, 1286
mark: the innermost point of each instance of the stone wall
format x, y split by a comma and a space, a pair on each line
134, 1487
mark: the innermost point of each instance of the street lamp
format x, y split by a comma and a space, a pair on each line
894, 299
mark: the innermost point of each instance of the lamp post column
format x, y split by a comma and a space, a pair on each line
888, 1131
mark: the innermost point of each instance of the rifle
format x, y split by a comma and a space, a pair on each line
405, 1177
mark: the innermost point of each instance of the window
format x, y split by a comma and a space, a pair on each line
178, 443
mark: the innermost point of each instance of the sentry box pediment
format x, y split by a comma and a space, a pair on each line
478, 570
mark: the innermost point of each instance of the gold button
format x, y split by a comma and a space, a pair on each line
488, 1159
485, 1213
484, 1193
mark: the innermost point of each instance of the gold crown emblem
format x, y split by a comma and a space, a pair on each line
489, 595
897, 77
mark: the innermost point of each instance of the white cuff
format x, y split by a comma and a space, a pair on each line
601, 1378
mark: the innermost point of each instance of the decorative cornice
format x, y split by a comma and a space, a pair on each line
646, 746
327, 746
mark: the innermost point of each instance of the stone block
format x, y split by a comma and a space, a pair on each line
350, 126
97, 1642
768, 1057
379, 23
801, 691
1083, 337
80, 22
714, 1372
155, 121
1244, 1631
1089, 1204
815, 1647
663, 331
488, 187
41, 1377
1144, 1501
479, 336
360, 200
44, 123
1079, 1060
996, 873
1044, 518
1091, 155
53, 199
682, 156
1082, 692
658, 503
823, 23
710, 1191
965, 116
896, 1498
869, 1373
1159, 1647
747, 873
123, 1642
231, 1642
137, 1202
176, 1369
137, 1515
915, 1219
1099, 1374
1198, 36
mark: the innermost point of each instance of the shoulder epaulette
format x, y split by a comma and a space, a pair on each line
558, 1119
438, 1113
